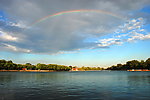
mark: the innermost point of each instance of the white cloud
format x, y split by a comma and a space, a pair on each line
14, 48
6, 37
66, 52
130, 25
142, 30
138, 36
122, 35
129, 32
109, 42
133, 21
18, 24
133, 25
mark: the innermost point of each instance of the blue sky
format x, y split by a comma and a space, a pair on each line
78, 39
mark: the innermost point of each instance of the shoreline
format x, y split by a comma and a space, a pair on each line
27, 71
136, 70
68, 71
43, 70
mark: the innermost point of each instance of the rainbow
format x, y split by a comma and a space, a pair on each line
77, 11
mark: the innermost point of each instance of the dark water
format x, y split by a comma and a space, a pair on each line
99, 85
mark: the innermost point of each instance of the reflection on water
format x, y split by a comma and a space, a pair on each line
99, 85
138, 80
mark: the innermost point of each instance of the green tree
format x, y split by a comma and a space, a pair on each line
147, 63
134, 64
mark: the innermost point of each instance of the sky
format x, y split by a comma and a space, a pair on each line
95, 33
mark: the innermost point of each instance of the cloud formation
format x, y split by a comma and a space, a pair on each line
67, 33
129, 32
9, 47
6, 37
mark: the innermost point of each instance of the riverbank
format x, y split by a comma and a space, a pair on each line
27, 71
41, 70
138, 70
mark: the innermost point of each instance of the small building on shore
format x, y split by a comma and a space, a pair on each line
74, 69
24, 68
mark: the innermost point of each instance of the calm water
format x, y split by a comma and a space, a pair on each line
98, 85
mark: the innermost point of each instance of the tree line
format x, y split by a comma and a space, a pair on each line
9, 65
133, 64
90, 68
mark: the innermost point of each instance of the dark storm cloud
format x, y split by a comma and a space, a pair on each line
67, 32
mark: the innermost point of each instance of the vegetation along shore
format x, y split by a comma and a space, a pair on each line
133, 65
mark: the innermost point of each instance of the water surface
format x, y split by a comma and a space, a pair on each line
91, 85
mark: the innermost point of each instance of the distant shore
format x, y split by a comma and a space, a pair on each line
132, 70
27, 71
41, 70
59, 71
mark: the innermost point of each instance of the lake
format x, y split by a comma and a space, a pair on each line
86, 85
